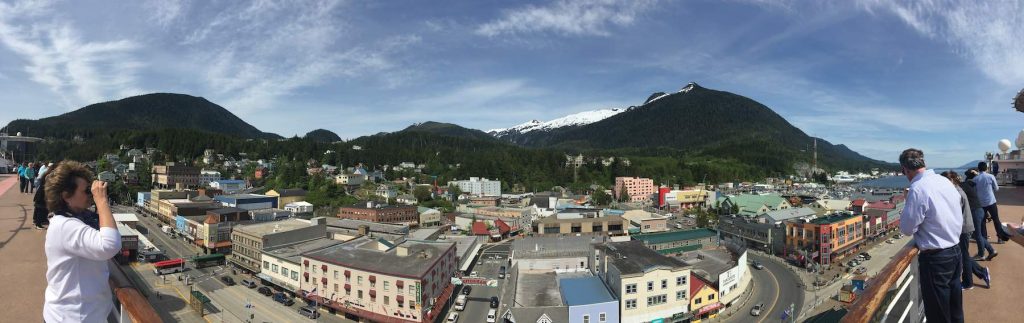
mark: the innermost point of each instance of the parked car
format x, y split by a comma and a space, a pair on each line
227, 280
309, 311
867, 257
283, 299
756, 311
466, 289
248, 283
473, 274
501, 272
453, 317
890, 241
265, 291
758, 265
820, 283
494, 302
861, 271
492, 316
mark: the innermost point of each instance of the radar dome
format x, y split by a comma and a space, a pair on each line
1004, 145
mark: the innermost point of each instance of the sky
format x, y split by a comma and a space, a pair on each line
876, 75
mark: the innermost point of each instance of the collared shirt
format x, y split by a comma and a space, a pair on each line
986, 185
77, 288
932, 213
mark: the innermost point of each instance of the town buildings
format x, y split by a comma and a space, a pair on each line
284, 262
605, 225
288, 196
249, 241
650, 285
476, 186
752, 205
381, 213
229, 186
170, 175
678, 242
248, 201
638, 189
824, 240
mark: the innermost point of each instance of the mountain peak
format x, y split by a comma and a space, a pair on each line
689, 87
575, 119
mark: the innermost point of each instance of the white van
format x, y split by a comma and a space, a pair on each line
491, 316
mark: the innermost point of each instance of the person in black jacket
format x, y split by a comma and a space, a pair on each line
978, 215
39, 200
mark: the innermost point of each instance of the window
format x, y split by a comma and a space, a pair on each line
295, 275
586, 319
681, 295
348, 292
650, 286
602, 317
348, 279
284, 272
681, 280
359, 295
385, 300
335, 274
664, 283
657, 300
359, 280
696, 301
711, 297
630, 304
335, 287
386, 286
631, 289
266, 265
274, 268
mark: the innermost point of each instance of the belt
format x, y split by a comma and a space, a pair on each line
934, 251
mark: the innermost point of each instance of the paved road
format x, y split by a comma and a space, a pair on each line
776, 287
492, 257
228, 302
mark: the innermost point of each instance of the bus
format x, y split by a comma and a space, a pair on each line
214, 259
176, 265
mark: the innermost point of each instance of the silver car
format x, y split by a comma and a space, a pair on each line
756, 311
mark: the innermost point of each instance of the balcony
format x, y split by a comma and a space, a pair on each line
894, 294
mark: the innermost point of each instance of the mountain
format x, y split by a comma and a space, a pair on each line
698, 121
448, 129
572, 120
322, 135
144, 112
971, 164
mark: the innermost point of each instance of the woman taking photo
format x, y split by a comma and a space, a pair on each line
78, 244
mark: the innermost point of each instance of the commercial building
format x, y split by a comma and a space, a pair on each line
229, 186
381, 213
646, 222
776, 217
752, 205
678, 242
649, 285
638, 189
380, 281
248, 201
588, 300
824, 240
207, 176
284, 262
299, 208
476, 186
348, 229
288, 196
170, 175
823, 207
429, 217
753, 234
704, 303
217, 228
249, 241
606, 225
555, 253
687, 198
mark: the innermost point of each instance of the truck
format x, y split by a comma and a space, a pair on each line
167, 229
460, 303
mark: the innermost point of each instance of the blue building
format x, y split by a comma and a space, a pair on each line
142, 199
588, 300
248, 201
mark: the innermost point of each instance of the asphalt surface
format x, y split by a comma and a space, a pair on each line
775, 287
492, 257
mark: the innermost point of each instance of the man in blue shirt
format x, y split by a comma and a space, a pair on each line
22, 181
986, 185
933, 215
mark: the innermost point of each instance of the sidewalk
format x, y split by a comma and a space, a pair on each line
23, 277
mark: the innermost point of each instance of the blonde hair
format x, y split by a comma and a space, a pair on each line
61, 179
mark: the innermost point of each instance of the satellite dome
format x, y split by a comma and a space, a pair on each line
1004, 145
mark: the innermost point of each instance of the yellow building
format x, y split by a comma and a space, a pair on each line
287, 196
704, 302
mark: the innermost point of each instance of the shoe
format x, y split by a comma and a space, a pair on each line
968, 288
990, 256
39, 227
978, 257
988, 278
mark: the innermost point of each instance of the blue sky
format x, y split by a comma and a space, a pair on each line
876, 75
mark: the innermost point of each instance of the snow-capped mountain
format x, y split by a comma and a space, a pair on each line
576, 119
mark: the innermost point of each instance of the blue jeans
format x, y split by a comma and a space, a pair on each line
980, 233
940, 285
969, 265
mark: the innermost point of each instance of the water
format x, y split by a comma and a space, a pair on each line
901, 181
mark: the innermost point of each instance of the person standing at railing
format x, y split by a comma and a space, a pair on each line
78, 245
932, 215
978, 216
987, 187
970, 266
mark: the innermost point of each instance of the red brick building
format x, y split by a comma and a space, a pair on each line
380, 213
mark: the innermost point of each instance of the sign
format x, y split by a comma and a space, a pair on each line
709, 308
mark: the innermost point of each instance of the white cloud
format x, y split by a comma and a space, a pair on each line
56, 55
165, 12
568, 17
479, 93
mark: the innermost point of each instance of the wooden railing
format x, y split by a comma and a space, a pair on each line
884, 290
131, 305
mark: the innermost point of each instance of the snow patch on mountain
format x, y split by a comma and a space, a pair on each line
576, 119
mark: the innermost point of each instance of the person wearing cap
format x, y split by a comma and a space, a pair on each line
933, 216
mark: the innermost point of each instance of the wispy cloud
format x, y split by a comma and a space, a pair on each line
567, 17
56, 55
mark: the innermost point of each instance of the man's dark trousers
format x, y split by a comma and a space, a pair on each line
940, 285
993, 211
970, 267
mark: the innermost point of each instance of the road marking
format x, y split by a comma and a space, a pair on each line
186, 301
776, 299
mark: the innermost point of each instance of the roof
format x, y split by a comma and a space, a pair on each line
353, 224
858, 202
790, 213
609, 218
832, 219
291, 192
670, 236
537, 288
881, 205
422, 209
535, 247
293, 252
125, 217
834, 204
299, 203
584, 291
264, 228
503, 228
633, 257
227, 210
125, 230
696, 283
242, 197
480, 228
362, 253
533, 314
750, 203
228, 181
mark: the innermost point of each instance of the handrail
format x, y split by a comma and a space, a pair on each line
864, 309
132, 301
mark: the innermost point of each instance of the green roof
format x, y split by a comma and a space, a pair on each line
833, 218
202, 298
751, 203
692, 247
663, 237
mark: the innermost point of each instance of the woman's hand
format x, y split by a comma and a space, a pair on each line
99, 191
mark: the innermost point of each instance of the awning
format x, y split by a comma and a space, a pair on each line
373, 279
348, 273
399, 283
265, 277
373, 293
400, 298
348, 287
709, 308
468, 259
323, 268
305, 262
323, 280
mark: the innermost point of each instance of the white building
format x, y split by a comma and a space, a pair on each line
299, 207
478, 186
350, 179
207, 176
281, 264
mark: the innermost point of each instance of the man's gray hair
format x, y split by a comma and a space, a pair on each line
912, 159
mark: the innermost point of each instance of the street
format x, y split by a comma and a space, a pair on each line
228, 303
775, 287
492, 257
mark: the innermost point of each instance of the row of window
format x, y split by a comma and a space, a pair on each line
680, 281
602, 318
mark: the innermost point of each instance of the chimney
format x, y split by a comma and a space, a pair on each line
363, 230
369, 204
402, 251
